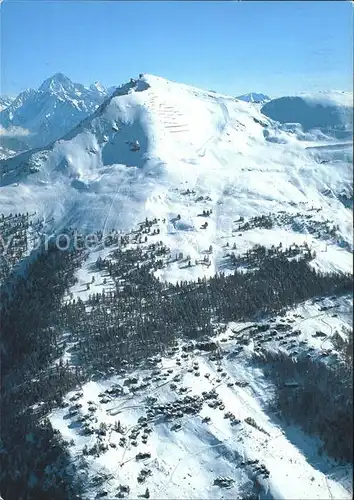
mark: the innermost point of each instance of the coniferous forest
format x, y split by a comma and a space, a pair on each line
120, 328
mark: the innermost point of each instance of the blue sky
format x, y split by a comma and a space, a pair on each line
233, 47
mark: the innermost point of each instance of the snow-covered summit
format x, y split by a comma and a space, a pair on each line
57, 83
51, 111
254, 97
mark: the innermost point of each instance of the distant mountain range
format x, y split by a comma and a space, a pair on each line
38, 117
35, 118
329, 112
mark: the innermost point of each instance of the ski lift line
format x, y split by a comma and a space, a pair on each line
327, 485
119, 189
226, 118
196, 239
110, 208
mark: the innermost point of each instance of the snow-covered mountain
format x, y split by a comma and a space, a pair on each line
209, 177
5, 147
254, 97
5, 101
36, 118
329, 112
193, 145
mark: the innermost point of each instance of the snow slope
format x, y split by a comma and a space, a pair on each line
198, 151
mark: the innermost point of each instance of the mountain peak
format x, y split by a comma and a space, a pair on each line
56, 83
98, 87
254, 97
53, 110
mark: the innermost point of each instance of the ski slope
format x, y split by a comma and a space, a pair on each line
198, 151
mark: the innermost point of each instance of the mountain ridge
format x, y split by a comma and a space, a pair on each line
52, 110
176, 147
